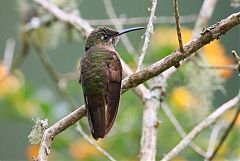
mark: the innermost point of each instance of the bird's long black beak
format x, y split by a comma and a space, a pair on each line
129, 30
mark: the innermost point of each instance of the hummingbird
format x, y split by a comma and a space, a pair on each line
101, 76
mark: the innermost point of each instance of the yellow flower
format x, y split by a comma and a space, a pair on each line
181, 98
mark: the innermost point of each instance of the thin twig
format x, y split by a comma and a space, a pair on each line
148, 34
237, 59
124, 38
92, 142
213, 138
200, 127
226, 133
142, 20
178, 27
180, 129
8, 54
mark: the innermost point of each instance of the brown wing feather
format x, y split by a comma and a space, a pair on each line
114, 88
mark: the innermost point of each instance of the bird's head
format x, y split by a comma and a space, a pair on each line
105, 36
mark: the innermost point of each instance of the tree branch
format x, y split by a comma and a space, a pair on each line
200, 127
211, 33
57, 128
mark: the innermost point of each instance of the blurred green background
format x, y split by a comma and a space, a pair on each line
30, 93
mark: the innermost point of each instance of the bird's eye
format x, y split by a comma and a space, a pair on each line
105, 37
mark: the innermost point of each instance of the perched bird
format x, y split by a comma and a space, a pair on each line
101, 76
